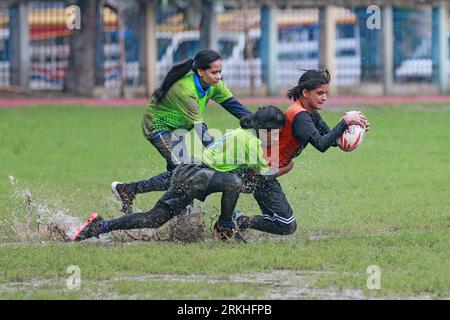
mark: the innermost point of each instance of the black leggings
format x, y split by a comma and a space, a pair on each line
174, 201
274, 227
277, 216
165, 142
172, 148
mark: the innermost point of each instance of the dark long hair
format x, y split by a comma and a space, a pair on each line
268, 117
309, 80
202, 60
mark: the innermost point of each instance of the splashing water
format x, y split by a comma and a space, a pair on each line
38, 219
12, 179
35, 219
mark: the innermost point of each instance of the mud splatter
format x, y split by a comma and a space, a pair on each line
187, 228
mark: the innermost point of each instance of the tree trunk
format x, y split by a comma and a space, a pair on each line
208, 25
80, 78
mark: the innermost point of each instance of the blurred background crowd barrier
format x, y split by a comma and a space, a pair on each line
126, 47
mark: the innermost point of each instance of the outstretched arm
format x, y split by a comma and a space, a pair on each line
312, 129
233, 106
305, 131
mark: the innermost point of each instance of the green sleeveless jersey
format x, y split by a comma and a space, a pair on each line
182, 106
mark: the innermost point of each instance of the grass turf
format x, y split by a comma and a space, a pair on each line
385, 204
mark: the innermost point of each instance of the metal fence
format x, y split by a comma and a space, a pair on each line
358, 50
239, 44
412, 45
49, 45
108, 46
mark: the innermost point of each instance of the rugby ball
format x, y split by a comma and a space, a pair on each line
351, 138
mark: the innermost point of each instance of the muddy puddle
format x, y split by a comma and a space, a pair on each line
277, 285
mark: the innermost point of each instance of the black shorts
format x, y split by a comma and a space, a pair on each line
192, 179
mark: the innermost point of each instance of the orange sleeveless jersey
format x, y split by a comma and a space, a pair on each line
288, 146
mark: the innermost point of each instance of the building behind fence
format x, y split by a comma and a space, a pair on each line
358, 49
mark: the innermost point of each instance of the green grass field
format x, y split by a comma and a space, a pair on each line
385, 204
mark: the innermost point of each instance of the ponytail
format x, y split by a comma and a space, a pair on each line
309, 80
202, 60
172, 76
294, 93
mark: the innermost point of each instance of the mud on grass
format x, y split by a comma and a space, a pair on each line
277, 284
35, 220
385, 204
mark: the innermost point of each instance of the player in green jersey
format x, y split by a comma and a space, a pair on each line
179, 103
217, 169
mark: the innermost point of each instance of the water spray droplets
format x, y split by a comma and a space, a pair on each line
34, 219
